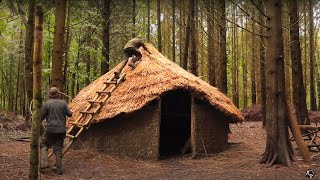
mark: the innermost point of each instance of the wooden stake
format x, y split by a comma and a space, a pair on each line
37, 99
297, 134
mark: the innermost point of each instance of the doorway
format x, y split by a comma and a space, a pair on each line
175, 127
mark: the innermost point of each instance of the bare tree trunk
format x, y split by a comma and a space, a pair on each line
211, 44
262, 48
49, 52
67, 47
174, 30
305, 44
148, 25
18, 74
29, 55
318, 79
159, 25
58, 44
133, 18
10, 83
245, 71
253, 68
313, 103
287, 55
235, 96
106, 12
2, 105
193, 48
299, 94
22, 100
223, 83
278, 149
187, 41
181, 28
37, 99
88, 58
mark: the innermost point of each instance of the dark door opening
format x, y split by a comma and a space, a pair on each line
175, 128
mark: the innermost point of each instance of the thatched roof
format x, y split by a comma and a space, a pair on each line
153, 76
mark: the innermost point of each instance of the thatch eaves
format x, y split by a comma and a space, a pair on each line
153, 76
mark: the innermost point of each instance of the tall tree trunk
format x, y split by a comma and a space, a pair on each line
159, 25
253, 68
211, 44
278, 149
174, 30
313, 103
305, 44
2, 105
88, 67
16, 104
187, 40
87, 57
299, 94
287, 54
49, 51
318, 79
133, 18
262, 48
10, 83
181, 33
22, 100
193, 48
234, 59
223, 83
37, 99
148, 25
78, 73
67, 47
58, 44
245, 71
106, 12
29, 55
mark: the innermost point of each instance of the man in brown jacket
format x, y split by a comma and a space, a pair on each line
54, 111
130, 50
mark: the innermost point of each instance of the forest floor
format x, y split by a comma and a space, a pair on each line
239, 161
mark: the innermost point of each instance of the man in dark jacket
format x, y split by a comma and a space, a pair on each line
54, 111
129, 50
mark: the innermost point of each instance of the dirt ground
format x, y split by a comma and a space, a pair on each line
238, 161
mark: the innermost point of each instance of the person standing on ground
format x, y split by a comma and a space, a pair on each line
54, 111
130, 50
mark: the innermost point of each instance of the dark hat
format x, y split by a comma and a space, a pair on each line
54, 92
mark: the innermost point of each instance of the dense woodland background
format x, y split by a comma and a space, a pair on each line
190, 33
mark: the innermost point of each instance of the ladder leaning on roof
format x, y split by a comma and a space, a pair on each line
88, 114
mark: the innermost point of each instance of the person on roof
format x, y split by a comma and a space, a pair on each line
54, 111
130, 50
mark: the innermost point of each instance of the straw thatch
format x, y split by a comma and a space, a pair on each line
153, 76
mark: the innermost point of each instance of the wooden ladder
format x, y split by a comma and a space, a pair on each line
88, 114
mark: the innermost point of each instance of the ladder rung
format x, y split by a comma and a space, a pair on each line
100, 103
70, 136
78, 124
92, 102
86, 112
110, 82
104, 92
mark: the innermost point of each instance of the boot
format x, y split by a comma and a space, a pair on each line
117, 74
58, 164
131, 63
44, 158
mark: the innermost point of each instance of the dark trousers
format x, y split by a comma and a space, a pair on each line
127, 53
54, 140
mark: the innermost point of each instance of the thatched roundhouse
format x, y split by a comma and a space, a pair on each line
156, 110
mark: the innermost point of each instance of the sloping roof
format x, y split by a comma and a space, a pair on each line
153, 76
